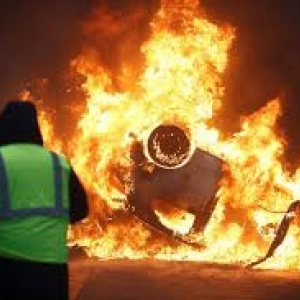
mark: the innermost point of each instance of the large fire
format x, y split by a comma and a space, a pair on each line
179, 80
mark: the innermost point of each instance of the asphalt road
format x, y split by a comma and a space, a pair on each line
162, 280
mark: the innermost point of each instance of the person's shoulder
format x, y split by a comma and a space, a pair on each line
64, 161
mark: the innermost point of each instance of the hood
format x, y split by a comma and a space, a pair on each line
19, 124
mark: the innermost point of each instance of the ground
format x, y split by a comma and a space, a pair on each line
162, 280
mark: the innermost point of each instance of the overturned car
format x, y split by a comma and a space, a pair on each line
168, 168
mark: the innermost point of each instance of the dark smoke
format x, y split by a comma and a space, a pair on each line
264, 61
38, 38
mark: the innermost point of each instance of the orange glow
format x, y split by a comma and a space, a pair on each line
180, 81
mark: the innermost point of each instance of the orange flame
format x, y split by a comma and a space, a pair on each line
180, 81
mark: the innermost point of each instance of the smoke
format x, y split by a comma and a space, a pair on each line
37, 39
115, 31
264, 61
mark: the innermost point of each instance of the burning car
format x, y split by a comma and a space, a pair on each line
136, 157
168, 169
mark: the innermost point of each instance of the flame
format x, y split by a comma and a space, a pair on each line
179, 80
45, 120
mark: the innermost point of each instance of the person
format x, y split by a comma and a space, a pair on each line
40, 195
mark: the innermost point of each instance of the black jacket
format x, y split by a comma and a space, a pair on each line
19, 124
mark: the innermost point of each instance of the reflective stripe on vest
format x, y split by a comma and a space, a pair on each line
57, 210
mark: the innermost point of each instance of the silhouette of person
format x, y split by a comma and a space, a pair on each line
40, 195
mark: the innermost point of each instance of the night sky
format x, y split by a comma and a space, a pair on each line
39, 37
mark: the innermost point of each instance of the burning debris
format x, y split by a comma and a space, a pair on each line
281, 232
